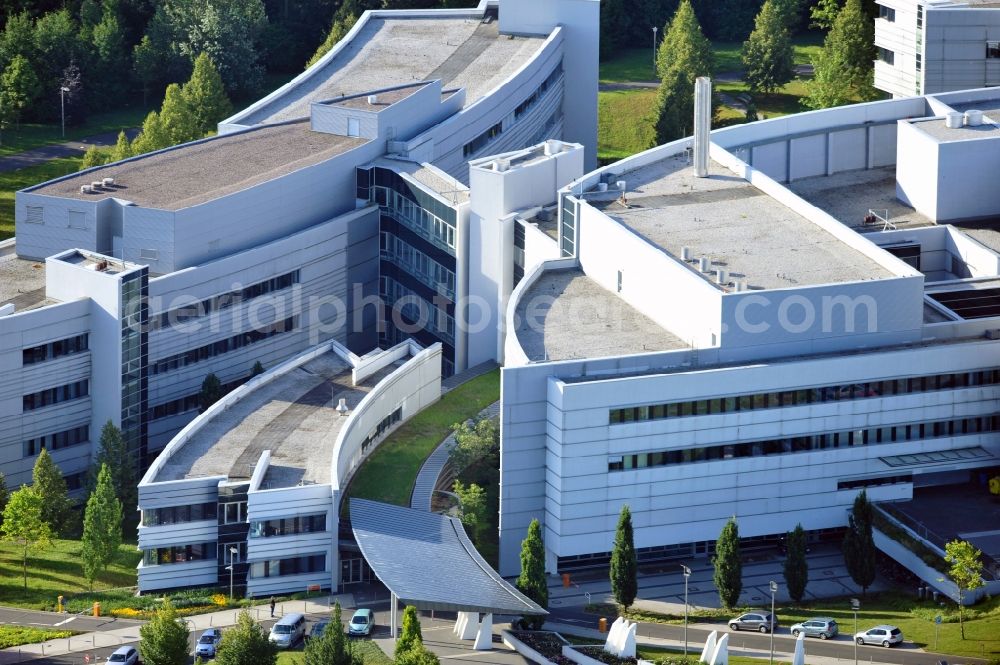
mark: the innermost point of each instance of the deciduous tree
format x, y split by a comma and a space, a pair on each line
246, 643
859, 544
796, 567
531, 582
19, 87
49, 483
624, 565
683, 56
206, 96
4, 495
824, 13
410, 636
342, 23
728, 576
475, 443
211, 392
472, 503
767, 54
177, 117
24, 526
966, 572
164, 639
332, 647
122, 150
844, 68
102, 527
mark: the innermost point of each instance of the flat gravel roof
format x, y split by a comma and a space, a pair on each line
940, 130
22, 282
462, 52
565, 314
723, 217
198, 172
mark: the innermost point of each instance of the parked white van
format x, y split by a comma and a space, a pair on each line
289, 630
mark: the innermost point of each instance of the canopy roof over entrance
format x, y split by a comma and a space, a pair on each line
427, 561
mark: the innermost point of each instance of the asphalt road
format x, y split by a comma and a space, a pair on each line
841, 647
82, 624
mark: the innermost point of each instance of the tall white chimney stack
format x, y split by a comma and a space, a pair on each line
702, 124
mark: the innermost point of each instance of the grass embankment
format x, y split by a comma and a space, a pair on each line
661, 654
15, 636
389, 473
29, 136
625, 117
915, 618
11, 181
368, 650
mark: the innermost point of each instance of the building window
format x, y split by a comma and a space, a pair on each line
288, 526
233, 513
874, 482
383, 427
161, 556
57, 441
149, 254
353, 127
50, 396
920, 17
887, 13
223, 346
77, 219
188, 402
179, 514
481, 141
993, 49
223, 301
52, 350
920, 63
886, 56
33, 215
282, 567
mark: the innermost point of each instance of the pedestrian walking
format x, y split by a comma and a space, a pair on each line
272, 607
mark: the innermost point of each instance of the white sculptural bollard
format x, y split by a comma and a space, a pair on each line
611, 644
709, 647
800, 650
627, 644
721, 654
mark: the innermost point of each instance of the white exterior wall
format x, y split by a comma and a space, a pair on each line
901, 36
955, 47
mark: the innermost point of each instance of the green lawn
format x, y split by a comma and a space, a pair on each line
15, 140
370, 654
624, 123
389, 474
915, 618
55, 571
630, 65
11, 181
15, 636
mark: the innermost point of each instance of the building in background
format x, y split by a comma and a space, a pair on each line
932, 46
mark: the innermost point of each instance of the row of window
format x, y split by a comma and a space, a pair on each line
222, 301
234, 512
424, 223
887, 13
807, 443
415, 308
179, 514
418, 264
57, 441
382, 428
50, 396
886, 56
533, 98
223, 346
75, 481
161, 556
817, 395
874, 482
288, 526
52, 350
187, 403
282, 567
993, 49
481, 141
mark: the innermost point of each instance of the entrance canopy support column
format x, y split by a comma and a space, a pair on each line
392, 613
484, 636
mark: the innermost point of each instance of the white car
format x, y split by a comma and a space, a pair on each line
124, 656
884, 635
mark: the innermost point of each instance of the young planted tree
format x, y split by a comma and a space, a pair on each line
122, 466
531, 582
246, 643
19, 87
475, 443
4, 495
728, 576
796, 568
211, 392
50, 485
966, 572
332, 647
859, 544
122, 148
410, 636
164, 639
767, 54
844, 69
152, 136
24, 526
206, 96
824, 13
418, 656
256, 370
102, 527
624, 565
343, 21
177, 117
683, 55
472, 504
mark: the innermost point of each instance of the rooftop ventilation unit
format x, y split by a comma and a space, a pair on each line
702, 124
741, 285
685, 253
86, 189
553, 147
96, 184
373, 99
107, 182
544, 215
620, 185
704, 265
501, 164
954, 120
342, 406
602, 186
973, 118
721, 276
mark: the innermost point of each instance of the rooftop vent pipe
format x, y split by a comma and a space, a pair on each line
704, 264
685, 253
702, 124
373, 99
973, 118
953, 120
553, 147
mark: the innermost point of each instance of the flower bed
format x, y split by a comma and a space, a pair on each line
598, 653
537, 646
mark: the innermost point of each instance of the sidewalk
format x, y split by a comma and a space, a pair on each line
196, 624
45, 153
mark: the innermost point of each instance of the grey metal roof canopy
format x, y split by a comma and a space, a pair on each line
428, 561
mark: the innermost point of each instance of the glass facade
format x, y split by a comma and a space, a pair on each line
223, 301
58, 440
568, 211
57, 395
294, 566
179, 514
52, 350
222, 346
134, 318
161, 556
288, 526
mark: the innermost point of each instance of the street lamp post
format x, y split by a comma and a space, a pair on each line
687, 574
231, 568
654, 48
855, 605
62, 107
774, 589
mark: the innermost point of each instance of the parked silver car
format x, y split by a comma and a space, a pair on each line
822, 627
759, 621
884, 635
